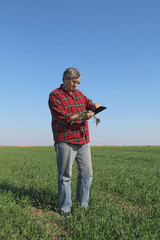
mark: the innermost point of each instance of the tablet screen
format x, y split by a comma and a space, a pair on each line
97, 110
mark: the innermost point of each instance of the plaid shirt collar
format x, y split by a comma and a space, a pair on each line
65, 89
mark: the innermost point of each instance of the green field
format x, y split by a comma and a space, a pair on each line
124, 196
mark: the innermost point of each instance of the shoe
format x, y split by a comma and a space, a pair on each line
65, 214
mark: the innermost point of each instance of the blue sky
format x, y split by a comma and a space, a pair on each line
115, 45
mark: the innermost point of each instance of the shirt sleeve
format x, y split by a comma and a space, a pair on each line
58, 110
89, 104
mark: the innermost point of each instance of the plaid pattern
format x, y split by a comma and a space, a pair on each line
63, 105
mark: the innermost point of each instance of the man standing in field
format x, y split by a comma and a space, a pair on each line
70, 110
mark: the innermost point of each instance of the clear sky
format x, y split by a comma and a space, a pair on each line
114, 43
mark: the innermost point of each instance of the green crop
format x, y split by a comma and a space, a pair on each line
124, 197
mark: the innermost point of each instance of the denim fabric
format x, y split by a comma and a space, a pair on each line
66, 154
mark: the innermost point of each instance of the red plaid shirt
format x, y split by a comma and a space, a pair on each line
63, 105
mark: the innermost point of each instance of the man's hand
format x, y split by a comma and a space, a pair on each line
81, 117
88, 115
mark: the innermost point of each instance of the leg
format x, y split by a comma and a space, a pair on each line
65, 158
85, 174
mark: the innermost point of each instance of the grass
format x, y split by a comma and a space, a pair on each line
124, 196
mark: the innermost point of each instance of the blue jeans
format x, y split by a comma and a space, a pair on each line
66, 154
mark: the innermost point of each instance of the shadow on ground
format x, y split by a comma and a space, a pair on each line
39, 198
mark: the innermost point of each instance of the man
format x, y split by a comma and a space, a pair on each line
70, 110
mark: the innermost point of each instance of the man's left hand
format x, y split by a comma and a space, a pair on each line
97, 105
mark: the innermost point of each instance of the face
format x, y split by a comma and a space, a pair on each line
71, 84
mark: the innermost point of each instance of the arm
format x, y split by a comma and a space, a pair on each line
88, 113
85, 115
82, 117
90, 105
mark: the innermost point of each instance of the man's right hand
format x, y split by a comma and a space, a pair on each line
81, 117
88, 115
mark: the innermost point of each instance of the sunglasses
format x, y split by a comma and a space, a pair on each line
73, 81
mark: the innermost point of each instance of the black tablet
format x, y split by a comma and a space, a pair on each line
99, 109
